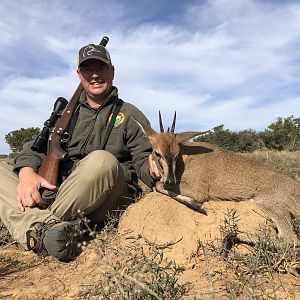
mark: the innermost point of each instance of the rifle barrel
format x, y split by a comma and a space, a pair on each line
104, 41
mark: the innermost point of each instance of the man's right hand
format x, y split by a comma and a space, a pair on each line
28, 194
153, 169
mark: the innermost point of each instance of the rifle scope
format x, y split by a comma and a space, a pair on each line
42, 138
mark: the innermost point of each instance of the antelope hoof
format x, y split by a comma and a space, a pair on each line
198, 207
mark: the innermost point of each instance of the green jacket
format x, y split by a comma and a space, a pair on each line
126, 141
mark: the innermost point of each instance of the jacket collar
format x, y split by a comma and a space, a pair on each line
113, 95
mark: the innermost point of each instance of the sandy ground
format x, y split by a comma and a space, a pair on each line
155, 218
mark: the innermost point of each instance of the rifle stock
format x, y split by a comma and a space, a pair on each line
55, 154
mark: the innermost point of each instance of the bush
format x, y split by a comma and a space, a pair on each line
284, 134
17, 138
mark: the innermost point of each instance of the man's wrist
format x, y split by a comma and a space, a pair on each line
25, 171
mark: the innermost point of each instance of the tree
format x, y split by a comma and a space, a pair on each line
17, 138
249, 141
283, 134
220, 136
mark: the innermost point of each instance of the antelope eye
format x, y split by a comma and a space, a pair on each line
157, 154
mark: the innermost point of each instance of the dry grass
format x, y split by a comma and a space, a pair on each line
5, 237
259, 271
284, 161
7, 160
134, 270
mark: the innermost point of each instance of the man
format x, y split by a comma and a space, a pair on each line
92, 181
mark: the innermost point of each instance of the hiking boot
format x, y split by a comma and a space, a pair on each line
60, 239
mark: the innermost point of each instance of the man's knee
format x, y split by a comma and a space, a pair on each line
99, 164
99, 159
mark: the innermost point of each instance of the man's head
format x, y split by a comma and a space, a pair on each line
95, 52
95, 71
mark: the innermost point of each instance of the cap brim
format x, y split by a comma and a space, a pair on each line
106, 61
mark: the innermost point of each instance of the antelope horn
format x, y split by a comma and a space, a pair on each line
173, 124
160, 123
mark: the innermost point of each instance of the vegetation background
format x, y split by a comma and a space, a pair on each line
282, 134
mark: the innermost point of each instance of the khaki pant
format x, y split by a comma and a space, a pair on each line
96, 186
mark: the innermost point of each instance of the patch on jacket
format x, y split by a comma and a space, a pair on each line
119, 119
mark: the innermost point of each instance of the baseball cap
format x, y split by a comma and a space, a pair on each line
94, 51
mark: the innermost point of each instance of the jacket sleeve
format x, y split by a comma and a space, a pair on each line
139, 146
28, 158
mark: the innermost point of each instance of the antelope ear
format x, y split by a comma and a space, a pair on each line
145, 128
185, 136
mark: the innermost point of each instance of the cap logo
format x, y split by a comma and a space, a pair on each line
90, 50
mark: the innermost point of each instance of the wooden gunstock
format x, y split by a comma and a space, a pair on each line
50, 164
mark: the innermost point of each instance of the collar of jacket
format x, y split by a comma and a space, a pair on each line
111, 97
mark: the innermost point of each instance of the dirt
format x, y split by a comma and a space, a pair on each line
155, 219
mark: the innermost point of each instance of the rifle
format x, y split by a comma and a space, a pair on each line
55, 154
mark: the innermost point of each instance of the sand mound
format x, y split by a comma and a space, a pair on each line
160, 219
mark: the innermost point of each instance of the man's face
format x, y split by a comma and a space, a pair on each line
96, 78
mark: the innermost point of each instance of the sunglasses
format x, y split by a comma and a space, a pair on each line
88, 71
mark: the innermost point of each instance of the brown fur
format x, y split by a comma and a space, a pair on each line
196, 172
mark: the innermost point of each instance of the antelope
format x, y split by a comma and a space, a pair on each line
195, 172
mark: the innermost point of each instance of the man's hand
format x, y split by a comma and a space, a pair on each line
28, 194
153, 170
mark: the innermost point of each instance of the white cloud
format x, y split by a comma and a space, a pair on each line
234, 62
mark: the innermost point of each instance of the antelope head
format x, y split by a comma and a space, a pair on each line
166, 148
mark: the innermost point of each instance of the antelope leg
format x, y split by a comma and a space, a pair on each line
187, 201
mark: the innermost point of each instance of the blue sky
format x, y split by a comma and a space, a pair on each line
231, 62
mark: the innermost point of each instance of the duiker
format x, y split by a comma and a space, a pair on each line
195, 172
